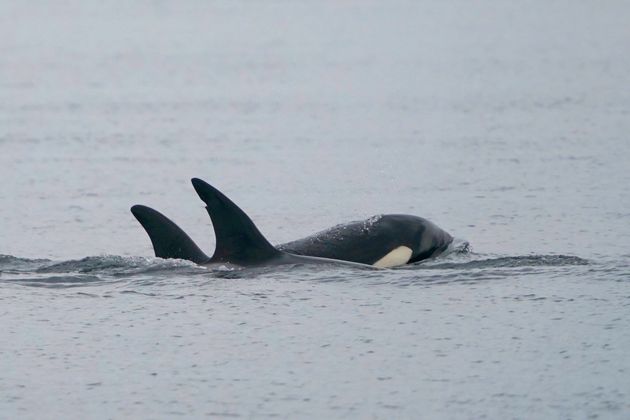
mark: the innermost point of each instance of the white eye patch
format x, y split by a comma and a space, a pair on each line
398, 256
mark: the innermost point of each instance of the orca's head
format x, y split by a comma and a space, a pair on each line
423, 237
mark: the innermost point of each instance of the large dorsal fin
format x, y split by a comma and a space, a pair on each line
169, 240
238, 239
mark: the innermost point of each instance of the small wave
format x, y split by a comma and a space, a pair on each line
11, 263
90, 270
506, 262
474, 268
115, 264
459, 265
55, 282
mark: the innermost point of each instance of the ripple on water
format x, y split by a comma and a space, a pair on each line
463, 267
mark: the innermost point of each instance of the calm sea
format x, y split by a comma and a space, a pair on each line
507, 124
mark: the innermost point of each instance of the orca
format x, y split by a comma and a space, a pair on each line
239, 243
382, 241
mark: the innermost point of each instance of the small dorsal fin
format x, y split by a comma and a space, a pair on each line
238, 240
169, 240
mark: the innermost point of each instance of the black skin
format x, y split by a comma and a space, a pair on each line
369, 240
240, 243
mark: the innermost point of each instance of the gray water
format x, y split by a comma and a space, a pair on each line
507, 124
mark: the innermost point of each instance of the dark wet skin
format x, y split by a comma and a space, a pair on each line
240, 243
369, 240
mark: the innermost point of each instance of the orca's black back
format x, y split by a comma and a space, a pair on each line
369, 240
355, 241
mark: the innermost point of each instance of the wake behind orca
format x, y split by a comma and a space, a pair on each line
382, 241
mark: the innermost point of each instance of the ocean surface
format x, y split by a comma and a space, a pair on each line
505, 123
